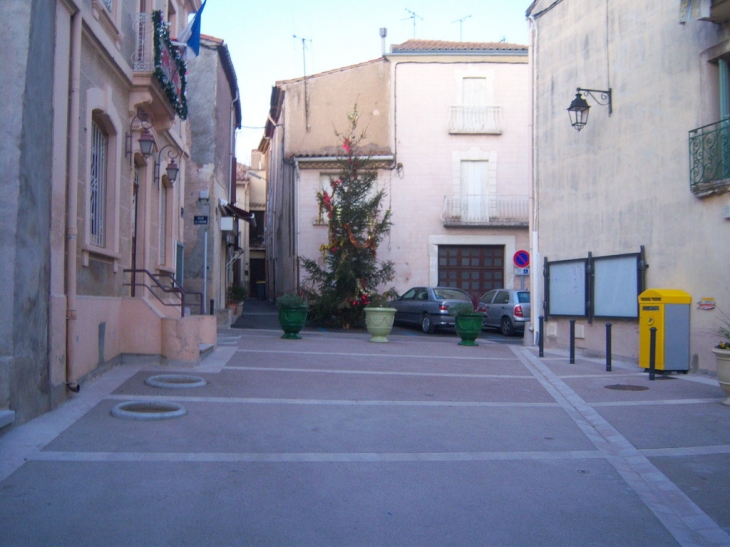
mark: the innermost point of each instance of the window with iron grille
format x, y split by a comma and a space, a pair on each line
97, 193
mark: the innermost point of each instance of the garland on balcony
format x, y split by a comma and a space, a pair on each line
167, 82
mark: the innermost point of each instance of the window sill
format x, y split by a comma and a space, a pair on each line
714, 187
88, 250
475, 131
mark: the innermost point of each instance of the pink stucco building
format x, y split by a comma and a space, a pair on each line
448, 127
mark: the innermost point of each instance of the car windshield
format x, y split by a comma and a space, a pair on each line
451, 294
523, 297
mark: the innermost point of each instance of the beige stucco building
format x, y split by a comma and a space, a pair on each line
213, 229
84, 88
645, 172
447, 127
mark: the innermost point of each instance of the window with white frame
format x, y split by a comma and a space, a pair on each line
474, 92
98, 184
474, 190
324, 186
476, 113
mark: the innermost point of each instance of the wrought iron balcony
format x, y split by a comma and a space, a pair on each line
157, 57
485, 210
476, 120
709, 158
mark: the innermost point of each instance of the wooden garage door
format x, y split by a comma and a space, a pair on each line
474, 268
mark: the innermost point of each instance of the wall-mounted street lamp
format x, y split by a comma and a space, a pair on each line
172, 169
146, 140
578, 109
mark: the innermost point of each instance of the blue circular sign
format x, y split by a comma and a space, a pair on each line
522, 259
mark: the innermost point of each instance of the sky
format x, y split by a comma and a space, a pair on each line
265, 39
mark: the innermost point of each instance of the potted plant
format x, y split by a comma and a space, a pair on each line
235, 297
468, 323
292, 315
722, 354
379, 317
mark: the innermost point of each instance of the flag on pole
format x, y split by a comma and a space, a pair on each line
190, 36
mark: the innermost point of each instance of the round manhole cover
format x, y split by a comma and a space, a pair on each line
627, 387
148, 410
175, 381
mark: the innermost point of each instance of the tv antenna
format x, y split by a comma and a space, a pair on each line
304, 69
461, 23
414, 16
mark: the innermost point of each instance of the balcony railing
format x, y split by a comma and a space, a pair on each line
143, 58
709, 158
476, 119
485, 210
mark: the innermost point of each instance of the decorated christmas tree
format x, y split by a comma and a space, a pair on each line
350, 274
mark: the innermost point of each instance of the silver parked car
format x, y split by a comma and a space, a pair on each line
428, 306
506, 309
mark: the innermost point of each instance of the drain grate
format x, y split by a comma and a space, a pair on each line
626, 387
148, 410
175, 381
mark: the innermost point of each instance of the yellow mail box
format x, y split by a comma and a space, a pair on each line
668, 311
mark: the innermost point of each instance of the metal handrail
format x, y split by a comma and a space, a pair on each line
173, 289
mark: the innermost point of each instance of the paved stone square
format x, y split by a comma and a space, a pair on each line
335, 441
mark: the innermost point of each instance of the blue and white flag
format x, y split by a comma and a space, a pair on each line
190, 36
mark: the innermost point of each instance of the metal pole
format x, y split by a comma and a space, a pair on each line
608, 347
540, 343
572, 341
205, 267
652, 353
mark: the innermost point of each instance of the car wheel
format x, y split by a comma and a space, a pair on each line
505, 325
427, 324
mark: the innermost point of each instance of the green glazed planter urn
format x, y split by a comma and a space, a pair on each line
469, 327
292, 320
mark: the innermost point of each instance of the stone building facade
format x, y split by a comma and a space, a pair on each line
85, 201
645, 173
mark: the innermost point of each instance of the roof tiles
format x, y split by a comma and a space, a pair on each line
443, 46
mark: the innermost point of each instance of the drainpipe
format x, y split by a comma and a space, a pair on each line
536, 262
72, 229
205, 269
298, 180
233, 182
